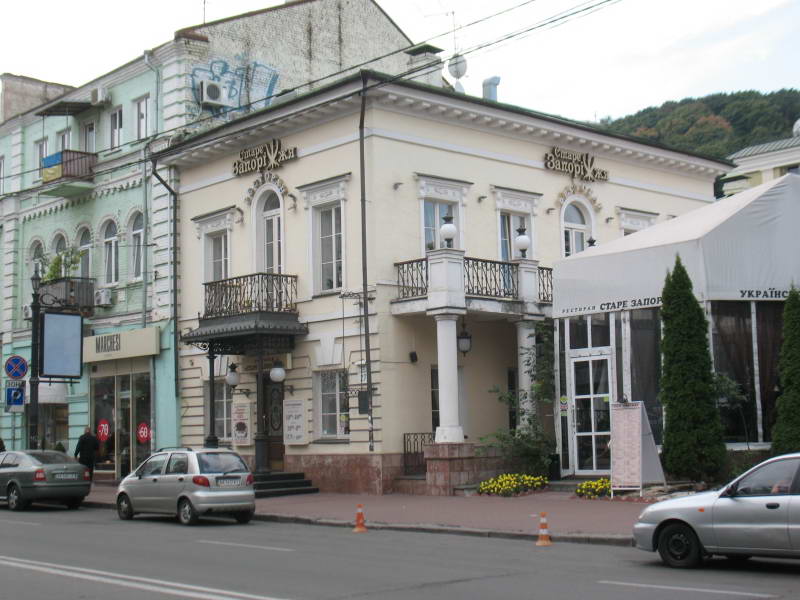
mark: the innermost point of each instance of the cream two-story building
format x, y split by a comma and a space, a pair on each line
449, 210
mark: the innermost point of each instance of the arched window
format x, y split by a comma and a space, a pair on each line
110, 253
576, 229
60, 249
37, 258
85, 250
271, 219
137, 245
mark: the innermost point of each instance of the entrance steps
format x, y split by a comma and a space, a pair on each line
568, 484
276, 483
414, 485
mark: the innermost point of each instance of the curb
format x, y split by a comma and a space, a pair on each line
569, 538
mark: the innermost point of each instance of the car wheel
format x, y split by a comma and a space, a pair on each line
124, 508
243, 517
73, 503
15, 499
187, 515
679, 547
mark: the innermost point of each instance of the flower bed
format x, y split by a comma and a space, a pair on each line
594, 489
512, 484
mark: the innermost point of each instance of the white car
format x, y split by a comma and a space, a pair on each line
757, 514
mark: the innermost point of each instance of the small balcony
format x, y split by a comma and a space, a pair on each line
70, 172
72, 292
256, 293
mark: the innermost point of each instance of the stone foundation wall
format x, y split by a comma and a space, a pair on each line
348, 473
450, 465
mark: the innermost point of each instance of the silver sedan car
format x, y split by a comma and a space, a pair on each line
757, 514
189, 483
32, 475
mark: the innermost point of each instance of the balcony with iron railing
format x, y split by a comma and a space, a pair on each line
68, 173
256, 293
70, 292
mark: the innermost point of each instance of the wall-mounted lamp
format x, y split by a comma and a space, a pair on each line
294, 202
609, 219
397, 184
232, 377
549, 210
591, 242
481, 199
464, 339
278, 374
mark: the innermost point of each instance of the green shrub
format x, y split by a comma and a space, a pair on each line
693, 445
511, 484
594, 489
786, 431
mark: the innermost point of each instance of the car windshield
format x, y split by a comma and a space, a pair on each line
221, 462
51, 458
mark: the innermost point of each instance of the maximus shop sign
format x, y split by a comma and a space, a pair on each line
266, 156
580, 165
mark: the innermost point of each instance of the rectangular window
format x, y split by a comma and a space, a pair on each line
217, 265
63, 139
435, 212
509, 224
223, 401
116, 128
41, 153
141, 117
111, 258
136, 242
434, 398
334, 407
88, 138
329, 236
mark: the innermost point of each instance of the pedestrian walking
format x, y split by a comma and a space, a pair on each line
86, 450
2, 445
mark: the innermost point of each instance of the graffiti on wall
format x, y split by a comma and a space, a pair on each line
233, 88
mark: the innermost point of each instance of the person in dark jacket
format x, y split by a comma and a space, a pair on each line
2, 445
86, 449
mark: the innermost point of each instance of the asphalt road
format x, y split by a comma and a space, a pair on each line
49, 552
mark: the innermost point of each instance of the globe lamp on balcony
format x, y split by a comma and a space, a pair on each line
232, 378
522, 242
448, 231
277, 373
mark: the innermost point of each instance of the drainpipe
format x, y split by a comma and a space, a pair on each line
174, 204
364, 258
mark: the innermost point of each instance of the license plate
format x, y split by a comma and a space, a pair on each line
62, 476
228, 481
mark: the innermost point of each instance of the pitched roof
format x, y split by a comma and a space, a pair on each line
774, 146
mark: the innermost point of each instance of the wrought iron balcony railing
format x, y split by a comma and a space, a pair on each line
490, 278
546, 285
412, 278
259, 292
74, 292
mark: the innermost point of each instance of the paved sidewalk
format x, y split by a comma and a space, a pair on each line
569, 518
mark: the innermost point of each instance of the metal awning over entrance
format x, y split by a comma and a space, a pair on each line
248, 333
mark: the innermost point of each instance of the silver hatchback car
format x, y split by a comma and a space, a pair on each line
757, 514
189, 483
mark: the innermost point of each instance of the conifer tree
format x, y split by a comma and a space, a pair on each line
786, 431
693, 444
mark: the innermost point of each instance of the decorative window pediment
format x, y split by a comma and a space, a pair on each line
326, 191
217, 220
430, 187
635, 220
517, 201
576, 189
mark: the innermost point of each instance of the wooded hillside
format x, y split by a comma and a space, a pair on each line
716, 125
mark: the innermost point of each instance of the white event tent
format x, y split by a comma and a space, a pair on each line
745, 247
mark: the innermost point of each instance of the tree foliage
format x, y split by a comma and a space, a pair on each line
693, 444
786, 432
715, 125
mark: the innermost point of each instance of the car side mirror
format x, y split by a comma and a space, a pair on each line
730, 491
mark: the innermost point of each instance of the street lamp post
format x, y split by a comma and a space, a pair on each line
33, 407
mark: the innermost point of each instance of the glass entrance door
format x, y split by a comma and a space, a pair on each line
591, 414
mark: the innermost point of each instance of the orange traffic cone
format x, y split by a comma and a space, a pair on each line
544, 533
360, 525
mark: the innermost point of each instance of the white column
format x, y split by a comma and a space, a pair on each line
449, 429
526, 340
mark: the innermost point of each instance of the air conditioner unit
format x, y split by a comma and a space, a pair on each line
27, 312
102, 297
100, 95
213, 94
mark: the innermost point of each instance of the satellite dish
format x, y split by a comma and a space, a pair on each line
457, 66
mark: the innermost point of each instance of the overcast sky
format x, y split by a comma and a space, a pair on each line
618, 59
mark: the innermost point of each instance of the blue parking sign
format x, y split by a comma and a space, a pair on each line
15, 399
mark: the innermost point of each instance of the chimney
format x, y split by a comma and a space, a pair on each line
426, 65
490, 88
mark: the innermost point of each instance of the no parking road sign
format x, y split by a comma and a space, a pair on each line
16, 367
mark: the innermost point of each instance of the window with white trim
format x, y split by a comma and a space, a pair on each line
63, 139
110, 254
141, 107
271, 222
576, 229
137, 245
217, 256
334, 408
223, 403
632, 220
115, 127
60, 249
85, 251
509, 224
41, 153
88, 137
329, 259
37, 258
435, 212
